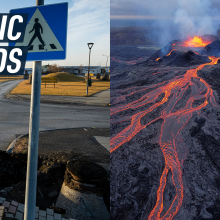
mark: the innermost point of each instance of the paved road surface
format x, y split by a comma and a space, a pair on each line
14, 116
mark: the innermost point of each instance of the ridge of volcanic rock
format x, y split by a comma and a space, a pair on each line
213, 49
184, 59
179, 59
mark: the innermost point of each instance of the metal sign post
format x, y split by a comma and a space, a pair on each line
31, 178
46, 38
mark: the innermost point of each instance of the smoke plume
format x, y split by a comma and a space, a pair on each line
196, 17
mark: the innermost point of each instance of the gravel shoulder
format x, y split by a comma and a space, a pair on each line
67, 144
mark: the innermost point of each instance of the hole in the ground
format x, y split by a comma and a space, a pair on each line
82, 175
50, 177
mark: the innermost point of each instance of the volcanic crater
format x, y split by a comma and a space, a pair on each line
165, 123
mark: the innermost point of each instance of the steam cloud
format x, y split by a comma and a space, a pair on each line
172, 19
196, 17
183, 19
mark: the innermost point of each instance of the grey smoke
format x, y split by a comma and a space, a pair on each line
196, 17
173, 19
183, 18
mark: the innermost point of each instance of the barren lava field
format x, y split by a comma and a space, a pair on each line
165, 130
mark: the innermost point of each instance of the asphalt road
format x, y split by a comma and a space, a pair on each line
14, 116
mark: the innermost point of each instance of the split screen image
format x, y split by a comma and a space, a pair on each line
165, 108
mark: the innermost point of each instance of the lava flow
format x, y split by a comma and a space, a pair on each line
173, 123
168, 53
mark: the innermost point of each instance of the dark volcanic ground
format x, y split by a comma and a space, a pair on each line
137, 165
130, 54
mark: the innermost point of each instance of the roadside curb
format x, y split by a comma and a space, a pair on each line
11, 146
82, 103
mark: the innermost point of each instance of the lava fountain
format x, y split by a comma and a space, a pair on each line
173, 123
196, 41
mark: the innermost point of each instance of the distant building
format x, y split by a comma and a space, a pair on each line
29, 70
78, 70
83, 70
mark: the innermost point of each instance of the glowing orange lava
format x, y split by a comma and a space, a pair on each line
170, 135
167, 54
195, 42
170, 52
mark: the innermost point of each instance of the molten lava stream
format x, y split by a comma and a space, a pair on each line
173, 123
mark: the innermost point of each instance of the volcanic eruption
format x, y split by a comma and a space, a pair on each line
168, 106
196, 41
192, 51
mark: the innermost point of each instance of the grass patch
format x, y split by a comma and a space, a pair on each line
68, 85
64, 88
8, 78
65, 77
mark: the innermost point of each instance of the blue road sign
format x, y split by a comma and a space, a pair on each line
46, 32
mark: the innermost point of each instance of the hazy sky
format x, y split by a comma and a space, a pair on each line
182, 18
151, 9
88, 21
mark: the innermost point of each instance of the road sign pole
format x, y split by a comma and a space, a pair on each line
32, 163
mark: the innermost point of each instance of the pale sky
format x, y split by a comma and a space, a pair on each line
169, 18
88, 21
158, 9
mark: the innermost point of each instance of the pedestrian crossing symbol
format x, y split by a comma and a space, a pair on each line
39, 35
45, 33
